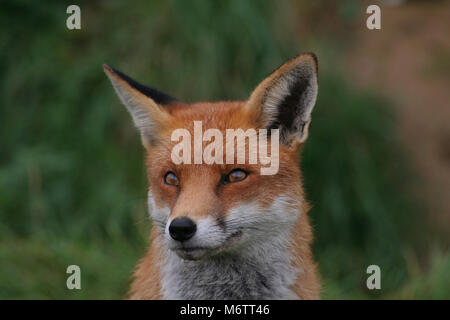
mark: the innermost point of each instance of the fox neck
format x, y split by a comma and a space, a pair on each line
260, 271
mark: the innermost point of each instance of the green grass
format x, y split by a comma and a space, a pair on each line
36, 268
72, 182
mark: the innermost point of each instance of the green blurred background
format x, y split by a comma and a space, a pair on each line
72, 181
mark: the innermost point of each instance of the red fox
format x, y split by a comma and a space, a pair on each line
224, 230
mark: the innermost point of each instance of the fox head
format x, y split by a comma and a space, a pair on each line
203, 210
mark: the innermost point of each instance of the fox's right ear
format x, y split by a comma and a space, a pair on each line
145, 104
285, 99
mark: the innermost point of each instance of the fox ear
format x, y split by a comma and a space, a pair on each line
145, 104
285, 99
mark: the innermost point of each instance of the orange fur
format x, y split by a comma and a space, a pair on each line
200, 180
200, 194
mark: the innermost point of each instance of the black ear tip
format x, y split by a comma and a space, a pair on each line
158, 96
108, 68
315, 59
312, 55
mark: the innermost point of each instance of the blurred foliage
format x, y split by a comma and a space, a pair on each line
354, 176
72, 180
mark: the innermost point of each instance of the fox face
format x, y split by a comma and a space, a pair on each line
206, 211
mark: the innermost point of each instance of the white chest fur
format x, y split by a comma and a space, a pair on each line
261, 268
267, 273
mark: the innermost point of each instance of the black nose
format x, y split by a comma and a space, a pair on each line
182, 229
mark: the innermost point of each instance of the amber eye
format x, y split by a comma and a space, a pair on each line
236, 175
171, 179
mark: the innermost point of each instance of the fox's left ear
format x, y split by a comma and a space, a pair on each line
146, 105
285, 99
